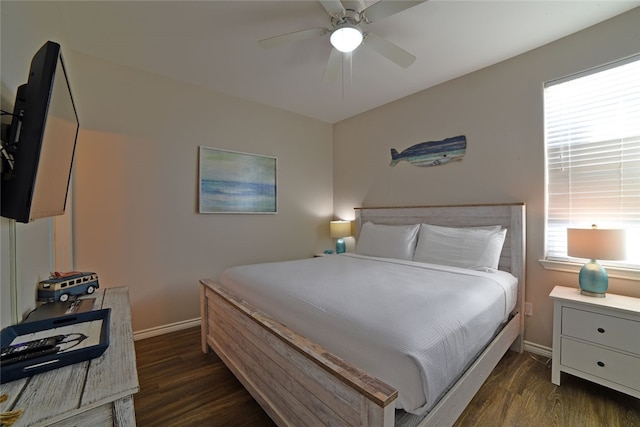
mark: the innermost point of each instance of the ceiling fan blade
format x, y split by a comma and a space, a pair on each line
333, 65
388, 50
383, 9
292, 37
333, 7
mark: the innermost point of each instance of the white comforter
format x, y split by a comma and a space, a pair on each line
415, 326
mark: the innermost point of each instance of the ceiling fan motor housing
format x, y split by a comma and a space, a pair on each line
351, 17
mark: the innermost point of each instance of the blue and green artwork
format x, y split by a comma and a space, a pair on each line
233, 182
432, 153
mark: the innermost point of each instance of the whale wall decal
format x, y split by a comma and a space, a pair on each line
432, 153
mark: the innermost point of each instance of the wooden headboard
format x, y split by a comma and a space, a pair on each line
510, 216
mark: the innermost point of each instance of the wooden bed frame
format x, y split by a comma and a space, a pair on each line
297, 382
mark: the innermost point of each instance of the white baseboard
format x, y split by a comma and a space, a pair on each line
537, 349
161, 330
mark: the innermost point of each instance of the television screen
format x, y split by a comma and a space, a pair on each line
42, 141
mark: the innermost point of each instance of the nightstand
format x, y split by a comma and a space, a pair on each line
597, 339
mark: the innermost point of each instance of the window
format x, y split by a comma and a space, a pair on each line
592, 135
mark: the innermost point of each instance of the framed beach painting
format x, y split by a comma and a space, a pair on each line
234, 182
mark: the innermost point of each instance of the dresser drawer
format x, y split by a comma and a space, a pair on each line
610, 365
610, 331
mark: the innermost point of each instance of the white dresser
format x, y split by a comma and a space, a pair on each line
96, 392
597, 339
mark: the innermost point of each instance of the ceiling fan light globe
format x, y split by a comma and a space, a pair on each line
346, 38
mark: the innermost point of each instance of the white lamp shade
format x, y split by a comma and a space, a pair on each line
596, 243
339, 229
346, 38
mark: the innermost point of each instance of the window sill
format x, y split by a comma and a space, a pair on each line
573, 267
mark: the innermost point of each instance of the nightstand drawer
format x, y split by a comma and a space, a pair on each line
621, 334
609, 365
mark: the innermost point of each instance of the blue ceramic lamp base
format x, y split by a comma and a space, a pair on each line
341, 246
593, 280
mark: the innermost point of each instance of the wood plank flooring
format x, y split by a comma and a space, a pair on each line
181, 386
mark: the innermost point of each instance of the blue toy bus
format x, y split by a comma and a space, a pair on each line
60, 286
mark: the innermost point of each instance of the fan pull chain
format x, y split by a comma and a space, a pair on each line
343, 69
350, 72
347, 69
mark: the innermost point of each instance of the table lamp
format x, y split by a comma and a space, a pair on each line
594, 243
338, 230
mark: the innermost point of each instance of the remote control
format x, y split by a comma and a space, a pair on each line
20, 349
30, 355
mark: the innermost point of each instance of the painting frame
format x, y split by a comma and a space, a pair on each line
234, 182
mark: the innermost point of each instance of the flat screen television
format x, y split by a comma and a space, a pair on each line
41, 143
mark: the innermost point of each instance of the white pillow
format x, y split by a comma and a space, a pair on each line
474, 247
388, 241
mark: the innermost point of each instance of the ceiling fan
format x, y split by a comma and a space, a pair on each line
346, 34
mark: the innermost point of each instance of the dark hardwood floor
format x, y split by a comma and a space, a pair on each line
181, 386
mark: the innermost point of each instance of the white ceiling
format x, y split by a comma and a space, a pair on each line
213, 44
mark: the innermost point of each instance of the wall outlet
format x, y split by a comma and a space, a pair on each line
528, 309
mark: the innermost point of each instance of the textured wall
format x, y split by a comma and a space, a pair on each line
500, 110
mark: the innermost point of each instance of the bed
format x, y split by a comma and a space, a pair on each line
299, 382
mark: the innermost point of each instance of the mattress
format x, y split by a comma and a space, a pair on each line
415, 326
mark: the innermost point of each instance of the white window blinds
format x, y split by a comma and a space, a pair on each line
592, 127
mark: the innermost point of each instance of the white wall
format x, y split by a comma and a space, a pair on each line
8, 316
136, 187
500, 110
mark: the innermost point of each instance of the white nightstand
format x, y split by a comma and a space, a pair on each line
597, 339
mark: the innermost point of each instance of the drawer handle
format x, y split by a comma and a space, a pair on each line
601, 364
601, 330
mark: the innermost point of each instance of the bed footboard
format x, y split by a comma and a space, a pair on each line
295, 381
299, 383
